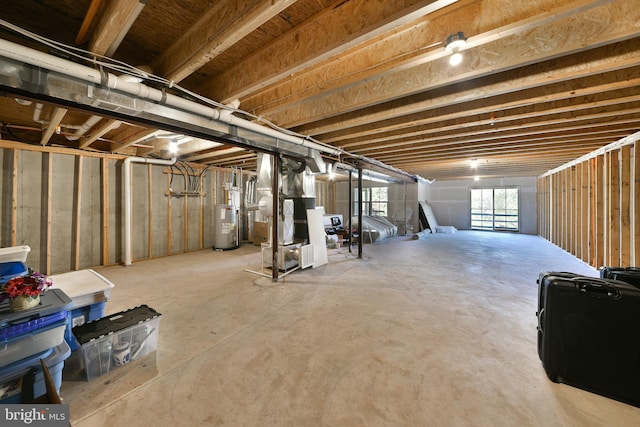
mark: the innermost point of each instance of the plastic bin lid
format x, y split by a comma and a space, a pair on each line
82, 282
51, 357
25, 326
14, 253
51, 301
114, 323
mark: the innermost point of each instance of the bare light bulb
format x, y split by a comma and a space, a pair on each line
173, 147
455, 59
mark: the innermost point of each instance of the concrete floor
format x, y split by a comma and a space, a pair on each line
432, 332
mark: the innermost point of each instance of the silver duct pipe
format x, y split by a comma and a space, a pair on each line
122, 83
103, 79
127, 198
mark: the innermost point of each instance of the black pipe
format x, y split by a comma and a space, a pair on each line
350, 210
360, 205
277, 164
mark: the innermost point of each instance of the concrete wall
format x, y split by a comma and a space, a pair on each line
450, 201
68, 207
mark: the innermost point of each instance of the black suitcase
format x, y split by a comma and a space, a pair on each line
630, 275
544, 278
589, 335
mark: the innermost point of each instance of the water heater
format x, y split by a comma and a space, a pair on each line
226, 229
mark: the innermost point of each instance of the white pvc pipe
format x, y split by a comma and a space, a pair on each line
37, 111
122, 83
127, 198
84, 128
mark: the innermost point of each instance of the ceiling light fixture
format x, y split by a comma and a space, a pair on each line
330, 171
474, 163
476, 178
455, 42
173, 146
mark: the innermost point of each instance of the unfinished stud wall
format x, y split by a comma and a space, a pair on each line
592, 208
326, 195
68, 207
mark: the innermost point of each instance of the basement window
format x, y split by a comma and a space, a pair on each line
375, 201
495, 209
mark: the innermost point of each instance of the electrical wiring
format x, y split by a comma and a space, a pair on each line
121, 67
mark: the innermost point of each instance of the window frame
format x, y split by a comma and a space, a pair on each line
505, 215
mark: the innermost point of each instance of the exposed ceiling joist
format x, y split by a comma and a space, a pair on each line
369, 77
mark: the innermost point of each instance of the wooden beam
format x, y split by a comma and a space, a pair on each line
224, 24
106, 126
636, 203
48, 157
533, 115
505, 54
515, 151
130, 136
113, 24
56, 150
593, 214
104, 162
575, 210
557, 208
554, 136
625, 205
77, 214
566, 209
609, 62
558, 123
14, 197
222, 152
410, 46
449, 103
160, 144
83, 33
613, 205
584, 208
322, 37
52, 127
601, 182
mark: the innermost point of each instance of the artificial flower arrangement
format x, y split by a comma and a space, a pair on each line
27, 288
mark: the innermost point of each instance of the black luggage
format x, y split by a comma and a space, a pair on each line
588, 334
543, 282
630, 275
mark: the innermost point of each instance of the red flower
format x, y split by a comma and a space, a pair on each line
28, 286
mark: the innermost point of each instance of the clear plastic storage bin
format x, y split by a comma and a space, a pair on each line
118, 339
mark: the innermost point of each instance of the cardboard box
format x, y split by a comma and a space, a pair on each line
260, 232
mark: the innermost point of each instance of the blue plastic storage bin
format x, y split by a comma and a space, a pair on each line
80, 316
36, 341
89, 292
22, 327
9, 270
29, 371
33, 331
